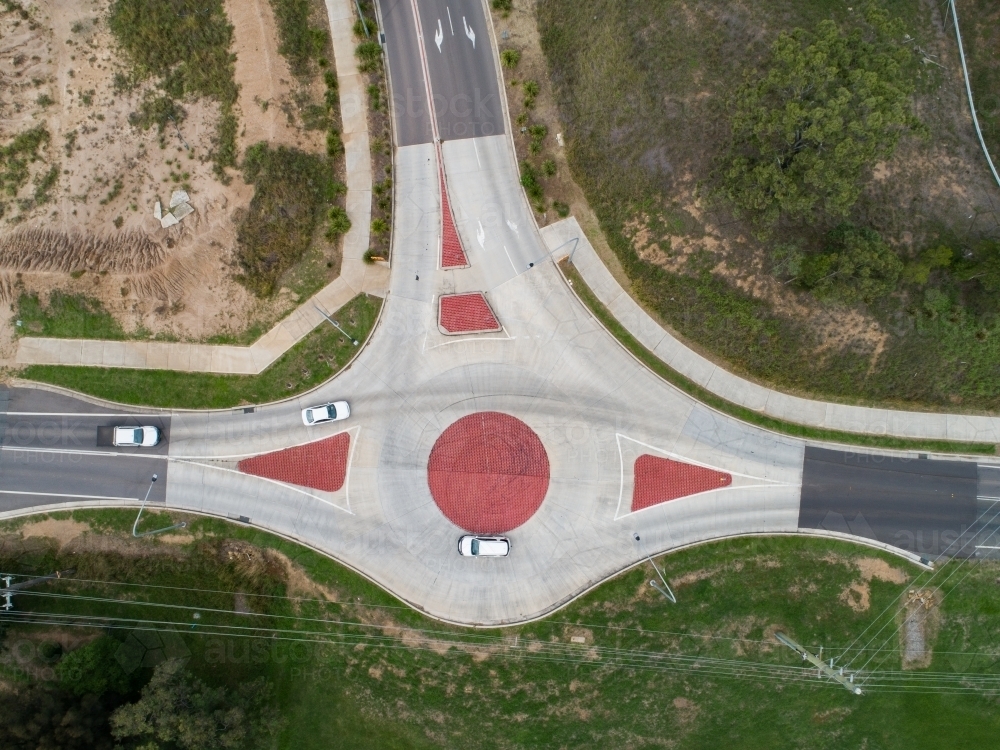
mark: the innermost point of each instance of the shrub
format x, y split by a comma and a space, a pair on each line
93, 669
370, 55
300, 42
503, 6
856, 264
365, 28
334, 145
379, 226
548, 168
529, 181
340, 223
509, 58
44, 100
560, 208
157, 110
15, 157
919, 271
292, 192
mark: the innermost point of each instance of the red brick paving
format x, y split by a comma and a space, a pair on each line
658, 480
466, 313
321, 465
488, 472
452, 254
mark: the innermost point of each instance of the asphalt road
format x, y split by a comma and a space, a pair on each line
462, 70
920, 505
49, 453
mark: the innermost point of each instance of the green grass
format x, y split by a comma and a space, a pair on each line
69, 316
643, 95
410, 692
316, 358
17, 155
673, 377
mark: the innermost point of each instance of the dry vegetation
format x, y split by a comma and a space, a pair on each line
80, 218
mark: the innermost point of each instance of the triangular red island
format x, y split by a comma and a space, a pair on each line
321, 465
658, 480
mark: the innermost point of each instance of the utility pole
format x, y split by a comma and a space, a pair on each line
829, 670
142, 507
8, 591
665, 588
336, 325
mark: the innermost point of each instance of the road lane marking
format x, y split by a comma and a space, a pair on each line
70, 452
511, 260
481, 236
60, 494
469, 32
449, 21
439, 36
118, 415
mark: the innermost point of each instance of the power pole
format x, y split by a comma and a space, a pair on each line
8, 591
829, 670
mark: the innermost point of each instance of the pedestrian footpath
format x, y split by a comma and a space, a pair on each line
566, 238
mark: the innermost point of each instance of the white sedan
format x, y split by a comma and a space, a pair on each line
326, 413
483, 546
138, 437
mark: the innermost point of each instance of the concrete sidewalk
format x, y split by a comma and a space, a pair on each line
566, 237
355, 276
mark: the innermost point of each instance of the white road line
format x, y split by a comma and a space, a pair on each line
983, 546
511, 260
118, 415
69, 452
477, 153
59, 494
449, 21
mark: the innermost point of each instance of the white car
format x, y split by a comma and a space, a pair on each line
136, 437
326, 413
483, 546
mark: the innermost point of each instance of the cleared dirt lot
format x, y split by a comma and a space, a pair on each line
92, 230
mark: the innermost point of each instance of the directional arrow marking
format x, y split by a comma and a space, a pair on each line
481, 236
439, 35
469, 32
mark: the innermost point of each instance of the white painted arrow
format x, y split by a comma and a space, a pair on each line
469, 32
439, 35
481, 236
512, 226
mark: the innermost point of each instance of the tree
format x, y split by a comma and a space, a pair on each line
93, 669
983, 266
830, 105
856, 264
919, 271
177, 710
43, 716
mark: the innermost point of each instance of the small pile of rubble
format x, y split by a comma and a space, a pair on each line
179, 208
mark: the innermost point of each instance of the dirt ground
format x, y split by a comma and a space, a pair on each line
112, 173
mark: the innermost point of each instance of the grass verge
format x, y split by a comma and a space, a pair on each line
316, 358
67, 316
673, 377
354, 668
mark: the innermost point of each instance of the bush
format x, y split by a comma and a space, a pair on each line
157, 110
365, 28
93, 669
509, 58
379, 226
503, 6
370, 55
548, 168
529, 181
856, 264
300, 42
340, 223
292, 192
334, 145
561, 209
919, 271
15, 157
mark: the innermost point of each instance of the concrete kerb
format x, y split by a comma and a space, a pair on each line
562, 604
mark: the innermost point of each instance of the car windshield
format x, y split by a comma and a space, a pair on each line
475, 546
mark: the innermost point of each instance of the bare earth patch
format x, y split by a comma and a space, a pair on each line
58, 72
62, 531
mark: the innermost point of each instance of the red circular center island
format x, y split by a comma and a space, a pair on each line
488, 472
